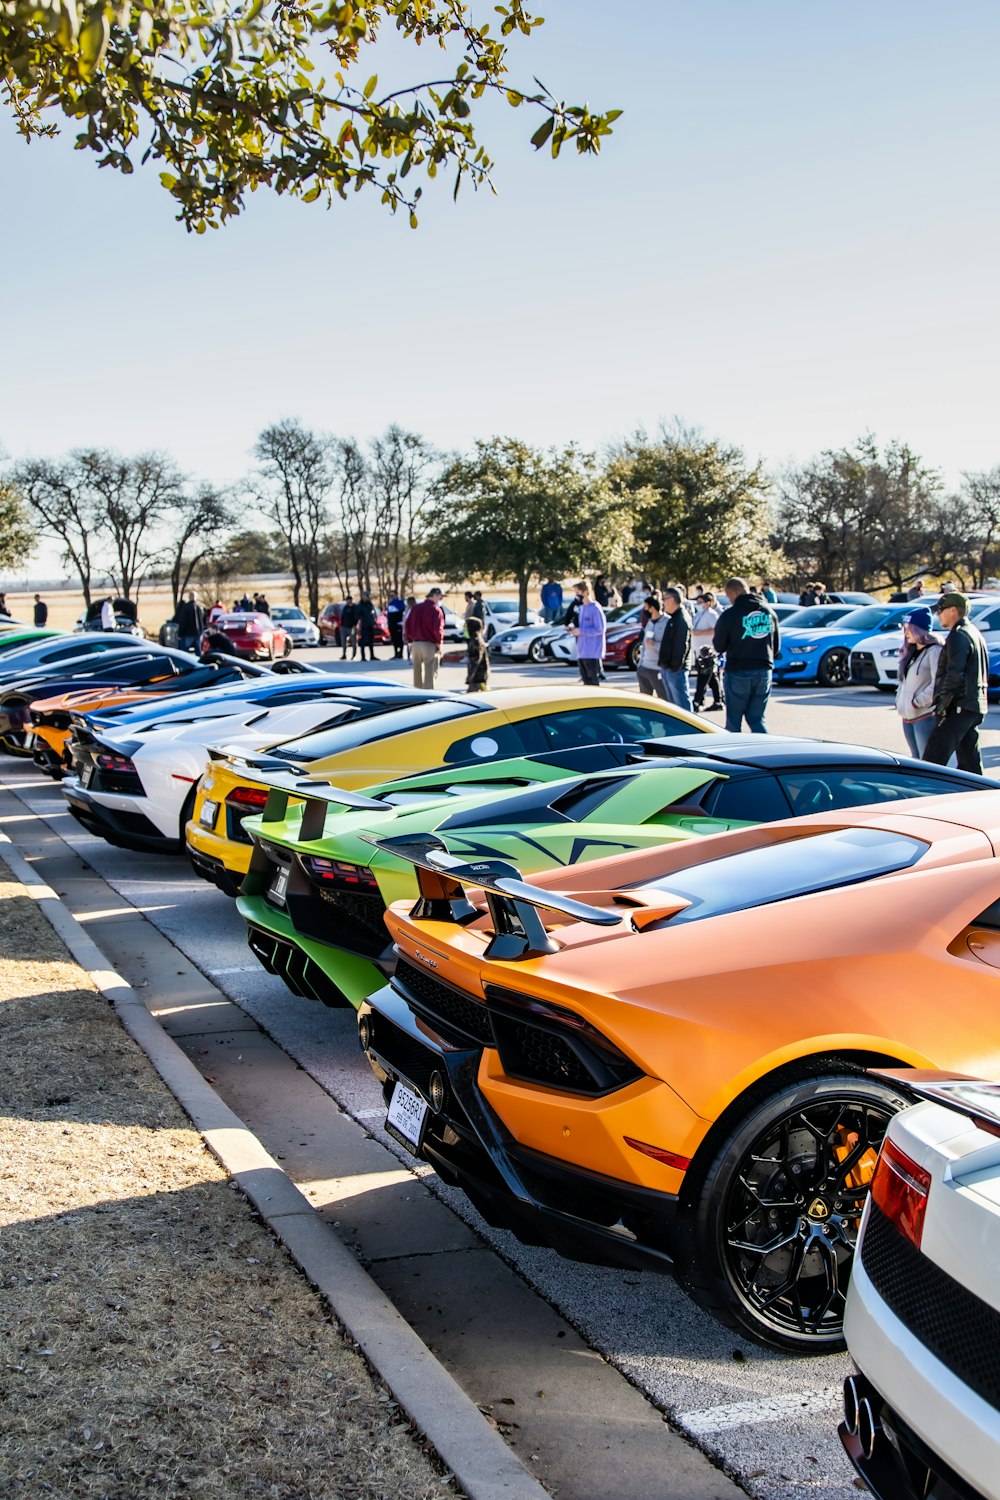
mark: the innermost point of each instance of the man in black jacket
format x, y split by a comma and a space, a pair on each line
959, 689
190, 619
747, 634
675, 651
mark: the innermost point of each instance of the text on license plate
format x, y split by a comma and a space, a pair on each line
407, 1112
279, 885
207, 815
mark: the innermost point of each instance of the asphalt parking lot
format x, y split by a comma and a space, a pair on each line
769, 1420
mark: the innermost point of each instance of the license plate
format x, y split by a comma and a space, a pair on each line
507, 649
279, 885
407, 1113
206, 817
87, 775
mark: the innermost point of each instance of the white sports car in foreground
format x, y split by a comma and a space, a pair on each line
135, 788
922, 1416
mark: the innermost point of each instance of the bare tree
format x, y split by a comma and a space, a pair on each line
198, 523
402, 468
292, 486
65, 511
131, 499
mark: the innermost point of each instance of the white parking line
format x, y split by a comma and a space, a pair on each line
751, 1413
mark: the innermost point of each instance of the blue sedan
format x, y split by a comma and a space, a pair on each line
823, 656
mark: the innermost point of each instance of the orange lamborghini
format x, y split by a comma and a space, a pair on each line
658, 1060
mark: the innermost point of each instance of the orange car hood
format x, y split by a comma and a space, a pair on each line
82, 700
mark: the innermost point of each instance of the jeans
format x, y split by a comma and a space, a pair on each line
590, 670
676, 687
651, 682
958, 736
426, 660
187, 643
366, 635
917, 732
746, 698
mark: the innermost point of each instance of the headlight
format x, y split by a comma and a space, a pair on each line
508, 635
891, 652
803, 650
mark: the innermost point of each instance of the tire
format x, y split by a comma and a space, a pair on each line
536, 652
834, 669
17, 742
887, 687
768, 1238
634, 653
288, 649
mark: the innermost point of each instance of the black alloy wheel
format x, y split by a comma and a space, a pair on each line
774, 1230
834, 669
18, 741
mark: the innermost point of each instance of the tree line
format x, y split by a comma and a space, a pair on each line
339, 514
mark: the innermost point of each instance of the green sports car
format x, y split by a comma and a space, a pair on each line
317, 888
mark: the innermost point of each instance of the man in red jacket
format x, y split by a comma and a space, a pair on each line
424, 632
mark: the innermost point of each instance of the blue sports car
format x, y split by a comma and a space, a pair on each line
823, 656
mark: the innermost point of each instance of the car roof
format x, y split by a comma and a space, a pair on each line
772, 750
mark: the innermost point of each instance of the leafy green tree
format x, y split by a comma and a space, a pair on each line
512, 511
703, 508
17, 535
229, 97
860, 517
250, 552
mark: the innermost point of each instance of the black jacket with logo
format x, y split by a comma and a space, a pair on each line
963, 671
747, 632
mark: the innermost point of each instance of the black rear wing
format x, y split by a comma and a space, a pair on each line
518, 930
317, 798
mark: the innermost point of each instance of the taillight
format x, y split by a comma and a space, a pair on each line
109, 761
339, 872
900, 1189
247, 796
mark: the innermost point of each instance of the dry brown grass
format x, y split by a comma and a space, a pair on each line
154, 1337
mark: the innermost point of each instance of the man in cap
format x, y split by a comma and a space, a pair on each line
424, 633
959, 688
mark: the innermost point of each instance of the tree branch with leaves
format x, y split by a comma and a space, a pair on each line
228, 98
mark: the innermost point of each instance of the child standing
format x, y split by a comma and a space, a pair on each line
477, 671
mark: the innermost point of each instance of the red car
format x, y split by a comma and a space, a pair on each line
250, 635
329, 625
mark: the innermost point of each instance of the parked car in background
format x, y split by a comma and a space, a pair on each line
874, 661
922, 1415
254, 636
126, 617
824, 656
502, 614
329, 625
296, 624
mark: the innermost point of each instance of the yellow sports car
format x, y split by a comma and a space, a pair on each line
446, 730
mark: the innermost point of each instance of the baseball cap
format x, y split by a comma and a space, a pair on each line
434, 593
952, 601
920, 617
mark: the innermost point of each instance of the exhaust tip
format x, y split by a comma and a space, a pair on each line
868, 1427
852, 1401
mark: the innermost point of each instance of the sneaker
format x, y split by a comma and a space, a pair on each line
715, 708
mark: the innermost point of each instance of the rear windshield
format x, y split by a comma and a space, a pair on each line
795, 867
318, 746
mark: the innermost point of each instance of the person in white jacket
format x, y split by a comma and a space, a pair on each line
918, 659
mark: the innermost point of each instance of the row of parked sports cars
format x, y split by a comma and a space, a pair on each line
649, 993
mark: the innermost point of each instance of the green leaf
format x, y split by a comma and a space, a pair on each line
543, 132
371, 85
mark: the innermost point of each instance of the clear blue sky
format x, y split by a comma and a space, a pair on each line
791, 237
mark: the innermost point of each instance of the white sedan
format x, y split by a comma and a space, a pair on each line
136, 787
301, 630
922, 1415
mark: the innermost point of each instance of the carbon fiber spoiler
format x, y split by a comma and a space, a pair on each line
514, 904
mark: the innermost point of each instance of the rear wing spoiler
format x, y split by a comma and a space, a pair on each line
977, 1099
514, 905
317, 797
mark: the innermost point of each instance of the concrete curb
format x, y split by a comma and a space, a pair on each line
479, 1458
